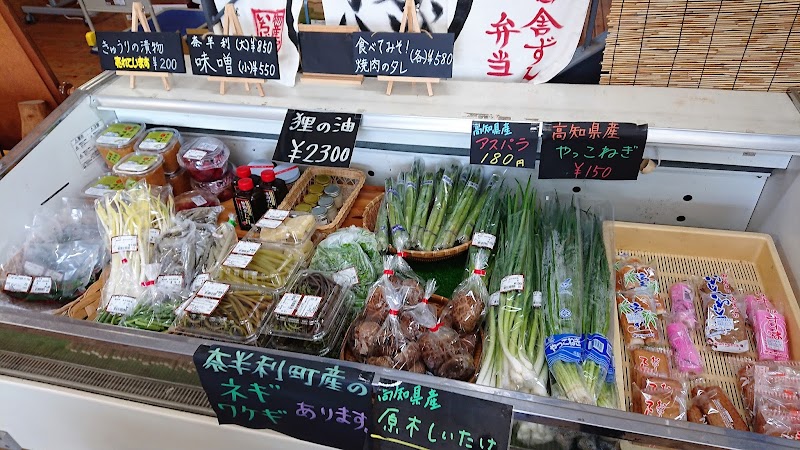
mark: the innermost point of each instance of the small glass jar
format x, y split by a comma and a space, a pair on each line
321, 214
335, 193
303, 207
322, 180
316, 189
327, 203
311, 199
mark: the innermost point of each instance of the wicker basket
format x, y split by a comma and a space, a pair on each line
371, 217
350, 181
85, 306
439, 302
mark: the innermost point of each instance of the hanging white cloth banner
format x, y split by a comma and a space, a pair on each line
510, 40
272, 18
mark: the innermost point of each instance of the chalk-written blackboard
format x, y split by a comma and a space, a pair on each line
140, 52
234, 56
329, 53
404, 54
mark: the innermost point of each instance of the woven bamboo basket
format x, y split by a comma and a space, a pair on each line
371, 217
346, 353
85, 306
350, 181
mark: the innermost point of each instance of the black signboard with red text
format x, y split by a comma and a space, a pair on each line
591, 150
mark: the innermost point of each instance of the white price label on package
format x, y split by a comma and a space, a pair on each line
512, 283
41, 285
169, 280
288, 303
202, 305
199, 200
237, 261
120, 304
269, 223
494, 299
346, 277
155, 233
194, 155
308, 307
246, 248
128, 243
484, 240
17, 283
276, 214
199, 280
211, 289
206, 146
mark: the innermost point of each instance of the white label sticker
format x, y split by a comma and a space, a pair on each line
288, 303
199, 200
207, 146
246, 248
346, 277
776, 344
194, 155
512, 283
276, 214
97, 191
537, 299
17, 283
199, 280
170, 280
494, 299
41, 285
211, 289
58, 276
130, 166
155, 233
152, 144
723, 324
484, 240
33, 269
124, 244
202, 305
120, 304
308, 307
237, 261
83, 146
269, 223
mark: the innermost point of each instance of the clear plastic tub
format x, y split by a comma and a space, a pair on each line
270, 267
142, 166
309, 309
222, 188
164, 141
238, 316
195, 199
205, 158
118, 140
329, 344
105, 184
179, 181
295, 230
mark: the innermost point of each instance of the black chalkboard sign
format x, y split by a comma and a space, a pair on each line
234, 56
592, 150
404, 54
416, 416
317, 138
317, 402
505, 144
328, 53
140, 52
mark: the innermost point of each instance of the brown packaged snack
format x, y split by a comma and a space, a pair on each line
716, 283
638, 319
650, 361
696, 416
725, 327
718, 409
634, 275
657, 402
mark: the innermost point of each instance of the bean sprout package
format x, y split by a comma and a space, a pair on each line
62, 255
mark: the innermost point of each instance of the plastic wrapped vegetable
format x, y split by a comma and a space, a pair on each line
394, 207
444, 195
352, 255
422, 209
391, 343
467, 306
417, 318
462, 206
155, 308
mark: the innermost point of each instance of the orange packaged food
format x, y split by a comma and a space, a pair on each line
638, 319
649, 362
667, 403
716, 408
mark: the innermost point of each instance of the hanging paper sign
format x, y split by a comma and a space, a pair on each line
140, 52
403, 54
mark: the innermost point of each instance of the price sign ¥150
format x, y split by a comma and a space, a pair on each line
317, 138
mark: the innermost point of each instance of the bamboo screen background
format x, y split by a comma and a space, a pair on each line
723, 44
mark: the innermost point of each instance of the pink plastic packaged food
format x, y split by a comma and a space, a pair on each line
754, 302
769, 328
682, 296
685, 355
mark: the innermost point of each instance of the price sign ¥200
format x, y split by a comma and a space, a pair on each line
317, 138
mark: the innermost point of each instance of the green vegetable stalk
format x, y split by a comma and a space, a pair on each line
394, 204
444, 195
423, 207
487, 222
465, 232
412, 180
459, 215
382, 227
597, 298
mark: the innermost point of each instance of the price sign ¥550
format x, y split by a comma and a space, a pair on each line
317, 138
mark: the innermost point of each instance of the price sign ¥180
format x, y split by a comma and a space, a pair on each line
505, 144
317, 138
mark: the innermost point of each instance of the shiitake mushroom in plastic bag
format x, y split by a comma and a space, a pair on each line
458, 367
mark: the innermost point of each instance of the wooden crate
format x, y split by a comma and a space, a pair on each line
751, 262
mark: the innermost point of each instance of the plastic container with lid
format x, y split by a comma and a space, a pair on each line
222, 188
257, 166
205, 158
118, 140
287, 172
106, 184
335, 192
269, 266
321, 214
164, 141
195, 199
316, 189
322, 179
142, 166
226, 313
303, 207
310, 308
179, 181
296, 228
327, 345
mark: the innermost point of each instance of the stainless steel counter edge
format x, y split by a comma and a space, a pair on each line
549, 411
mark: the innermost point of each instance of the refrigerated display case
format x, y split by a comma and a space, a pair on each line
724, 160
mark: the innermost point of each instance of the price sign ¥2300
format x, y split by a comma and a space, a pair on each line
317, 138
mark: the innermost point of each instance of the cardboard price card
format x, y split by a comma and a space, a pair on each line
141, 52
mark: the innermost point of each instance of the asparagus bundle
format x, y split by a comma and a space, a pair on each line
422, 209
466, 197
444, 193
412, 180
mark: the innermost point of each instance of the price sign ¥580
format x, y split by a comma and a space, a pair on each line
317, 138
